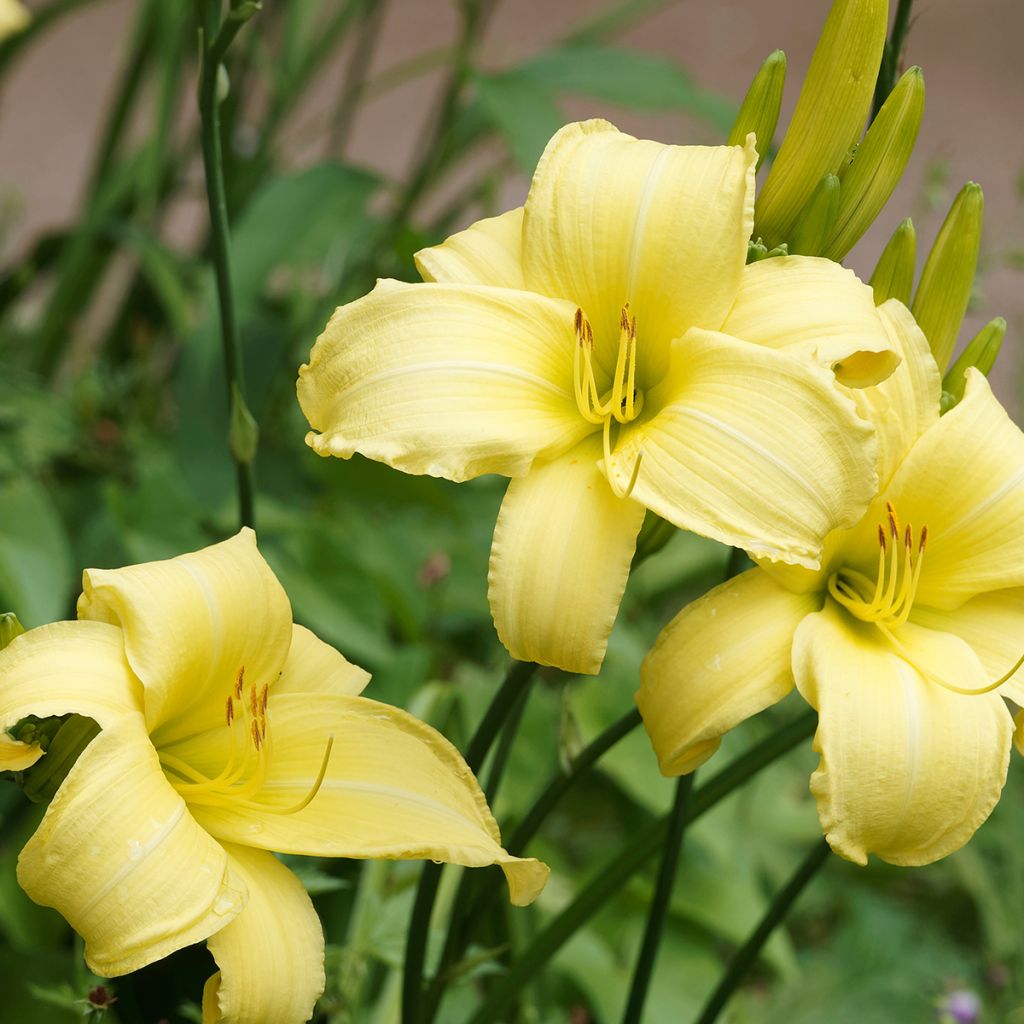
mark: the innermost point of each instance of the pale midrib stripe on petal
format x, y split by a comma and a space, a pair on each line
140, 853
642, 214
980, 510
378, 790
910, 684
501, 369
754, 446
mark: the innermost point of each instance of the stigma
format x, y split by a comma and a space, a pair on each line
621, 403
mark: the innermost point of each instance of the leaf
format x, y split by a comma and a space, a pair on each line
35, 558
642, 81
523, 111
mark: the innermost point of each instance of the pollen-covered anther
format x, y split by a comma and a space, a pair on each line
229, 710
239, 683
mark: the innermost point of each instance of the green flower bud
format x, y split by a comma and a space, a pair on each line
759, 112
243, 432
948, 275
894, 276
878, 165
981, 352
830, 113
10, 627
43, 779
817, 221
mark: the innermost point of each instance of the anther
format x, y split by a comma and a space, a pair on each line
924, 539
881, 536
239, 682
577, 323
264, 693
257, 739
894, 523
908, 537
229, 710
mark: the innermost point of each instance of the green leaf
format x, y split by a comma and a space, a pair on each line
35, 559
522, 111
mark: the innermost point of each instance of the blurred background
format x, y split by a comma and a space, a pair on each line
112, 450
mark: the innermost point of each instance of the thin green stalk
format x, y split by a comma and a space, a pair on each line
660, 900
501, 707
890, 67
504, 748
215, 39
748, 952
354, 86
611, 879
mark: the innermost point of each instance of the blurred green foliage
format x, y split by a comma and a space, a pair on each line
113, 450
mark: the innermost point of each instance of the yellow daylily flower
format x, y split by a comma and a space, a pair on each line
905, 641
14, 17
227, 732
606, 347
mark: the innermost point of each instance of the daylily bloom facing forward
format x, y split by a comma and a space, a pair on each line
227, 732
904, 640
607, 348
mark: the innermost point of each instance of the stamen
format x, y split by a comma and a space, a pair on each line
894, 523
229, 710
257, 739
239, 683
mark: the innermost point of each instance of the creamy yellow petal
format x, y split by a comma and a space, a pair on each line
120, 857
60, 669
316, 667
993, 626
964, 479
271, 957
722, 659
560, 560
446, 380
487, 252
752, 446
191, 624
611, 219
394, 789
817, 308
906, 404
908, 769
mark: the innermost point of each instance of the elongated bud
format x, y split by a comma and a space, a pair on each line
10, 627
878, 164
244, 432
981, 352
759, 112
817, 222
948, 275
829, 116
894, 276
44, 778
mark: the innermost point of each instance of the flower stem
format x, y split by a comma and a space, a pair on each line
615, 873
748, 952
242, 432
659, 902
505, 700
890, 68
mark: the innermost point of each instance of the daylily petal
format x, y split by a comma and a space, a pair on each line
271, 957
751, 446
119, 856
964, 479
190, 624
59, 669
908, 769
612, 219
560, 560
316, 667
722, 659
487, 252
447, 380
817, 308
394, 789
993, 626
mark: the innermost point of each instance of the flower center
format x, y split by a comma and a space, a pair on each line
886, 601
251, 751
622, 402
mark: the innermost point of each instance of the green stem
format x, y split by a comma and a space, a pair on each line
213, 165
354, 87
889, 70
504, 748
501, 706
748, 952
614, 875
659, 902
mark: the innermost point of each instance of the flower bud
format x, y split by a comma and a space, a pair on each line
948, 275
830, 113
878, 164
759, 112
14, 17
243, 432
894, 276
980, 352
817, 221
10, 627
